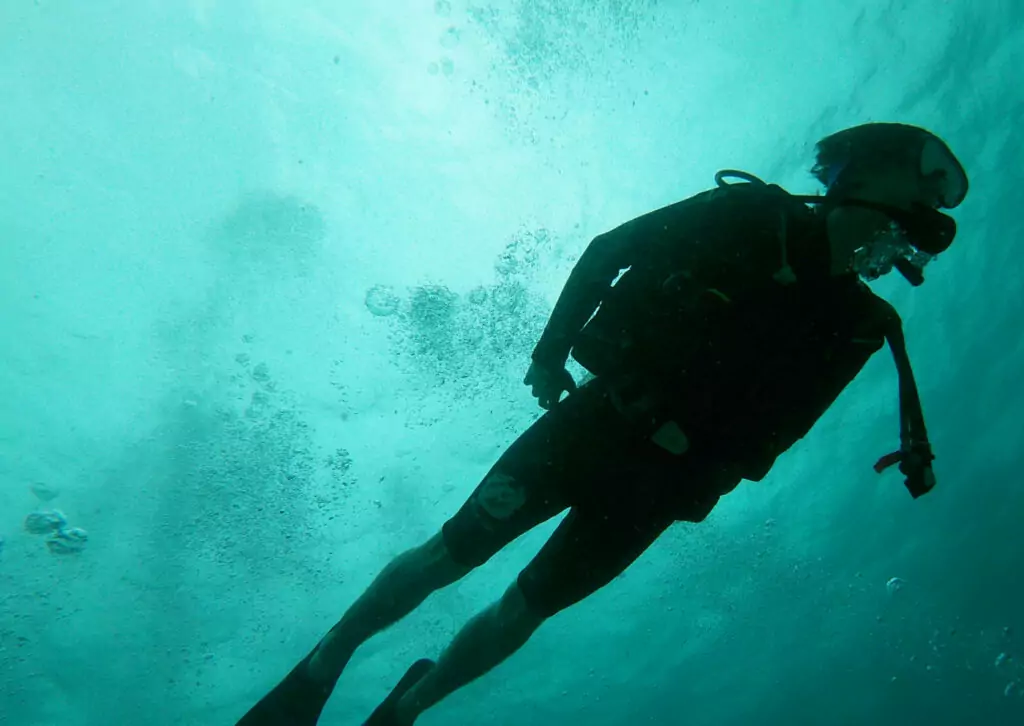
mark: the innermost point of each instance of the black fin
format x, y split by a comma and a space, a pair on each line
297, 700
384, 713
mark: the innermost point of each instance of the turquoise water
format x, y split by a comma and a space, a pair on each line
270, 275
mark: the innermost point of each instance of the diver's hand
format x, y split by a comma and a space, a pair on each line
915, 462
549, 383
916, 465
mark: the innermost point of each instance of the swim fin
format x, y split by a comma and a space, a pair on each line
384, 715
295, 701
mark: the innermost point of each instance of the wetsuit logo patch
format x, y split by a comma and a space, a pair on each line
501, 496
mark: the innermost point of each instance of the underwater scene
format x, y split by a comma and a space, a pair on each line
361, 363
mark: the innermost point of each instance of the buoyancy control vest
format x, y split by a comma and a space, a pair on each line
734, 324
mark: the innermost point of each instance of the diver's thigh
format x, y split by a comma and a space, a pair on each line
588, 550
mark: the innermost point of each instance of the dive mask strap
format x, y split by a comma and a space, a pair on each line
915, 455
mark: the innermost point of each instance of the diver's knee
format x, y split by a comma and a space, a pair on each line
444, 568
515, 611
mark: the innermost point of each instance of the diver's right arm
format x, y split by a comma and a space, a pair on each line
605, 257
591, 279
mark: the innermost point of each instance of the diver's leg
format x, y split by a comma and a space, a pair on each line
525, 487
300, 697
485, 641
516, 495
586, 552
398, 590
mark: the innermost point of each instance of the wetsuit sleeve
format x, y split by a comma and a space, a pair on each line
605, 257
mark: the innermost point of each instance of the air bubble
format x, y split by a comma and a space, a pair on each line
44, 522
450, 38
381, 301
44, 491
894, 585
68, 541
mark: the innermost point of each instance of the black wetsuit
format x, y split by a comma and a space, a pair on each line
728, 323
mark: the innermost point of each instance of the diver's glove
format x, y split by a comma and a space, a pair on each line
549, 383
915, 460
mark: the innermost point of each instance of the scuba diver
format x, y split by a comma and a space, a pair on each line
741, 316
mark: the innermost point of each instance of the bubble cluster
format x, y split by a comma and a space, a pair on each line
464, 341
248, 482
52, 524
449, 40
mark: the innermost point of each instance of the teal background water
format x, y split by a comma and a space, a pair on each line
270, 274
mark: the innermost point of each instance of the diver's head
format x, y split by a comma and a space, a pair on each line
886, 183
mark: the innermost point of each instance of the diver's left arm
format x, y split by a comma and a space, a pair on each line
915, 456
